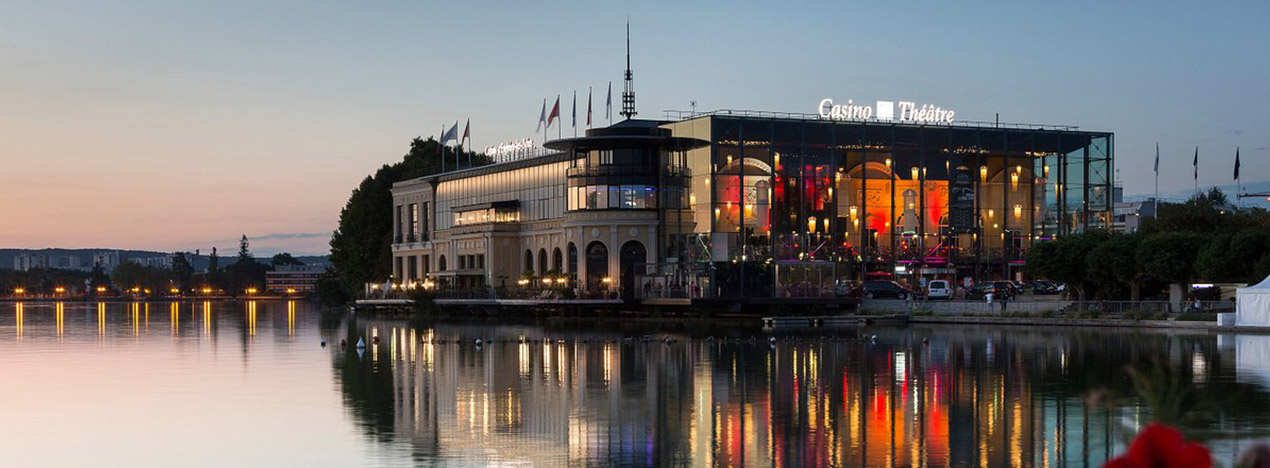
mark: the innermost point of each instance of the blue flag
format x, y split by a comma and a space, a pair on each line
1196, 163
1236, 163
450, 135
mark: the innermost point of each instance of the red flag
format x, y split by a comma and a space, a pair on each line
588, 106
555, 112
467, 130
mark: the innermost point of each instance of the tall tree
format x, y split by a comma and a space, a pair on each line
213, 269
361, 245
246, 273
182, 271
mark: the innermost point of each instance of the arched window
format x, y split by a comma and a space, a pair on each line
529, 261
597, 266
441, 263
633, 260
542, 261
557, 260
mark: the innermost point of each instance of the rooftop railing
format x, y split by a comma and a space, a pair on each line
680, 115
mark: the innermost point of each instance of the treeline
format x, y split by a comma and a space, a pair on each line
235, 278
1201, 240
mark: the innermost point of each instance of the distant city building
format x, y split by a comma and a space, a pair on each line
295, 278
164, 262
66, 262
107, 261
26, 262
1129, 215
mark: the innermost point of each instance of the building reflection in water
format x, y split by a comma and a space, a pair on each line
963, 399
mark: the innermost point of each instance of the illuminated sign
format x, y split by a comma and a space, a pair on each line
510, 150
902, 111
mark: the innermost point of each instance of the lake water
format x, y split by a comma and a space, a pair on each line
249, 384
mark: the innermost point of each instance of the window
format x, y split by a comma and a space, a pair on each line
462, 262
480, 261
413, 222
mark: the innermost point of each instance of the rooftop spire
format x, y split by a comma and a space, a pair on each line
628, 95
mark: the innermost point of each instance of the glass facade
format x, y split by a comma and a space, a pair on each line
538, 189
802, 207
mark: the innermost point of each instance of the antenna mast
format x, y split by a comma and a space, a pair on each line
628, 95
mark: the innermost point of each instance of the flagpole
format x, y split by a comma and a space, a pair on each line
441, 146
1156, 203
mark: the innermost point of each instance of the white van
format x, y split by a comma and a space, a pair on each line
939, 289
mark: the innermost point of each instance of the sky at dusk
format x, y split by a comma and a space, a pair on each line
174, 125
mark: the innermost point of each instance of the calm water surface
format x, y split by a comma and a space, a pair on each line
248, 384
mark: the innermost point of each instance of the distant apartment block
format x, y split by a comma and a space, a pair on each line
26, 262
107, 261
164, 262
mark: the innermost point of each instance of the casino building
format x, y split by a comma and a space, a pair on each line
740, 205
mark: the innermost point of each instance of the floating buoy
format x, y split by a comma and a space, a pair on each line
771, 339
323, 342
361, 344
375, 339
477, 341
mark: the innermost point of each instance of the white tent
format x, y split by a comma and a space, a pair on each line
1252, 305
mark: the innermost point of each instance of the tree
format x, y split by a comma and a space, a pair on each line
1246, 247
129, 275
1213, 261
244, 251
284, 259
213, 269
361, 246
245, 273
1169, 257
1064, 259
1112, 267
182, 271
99, 278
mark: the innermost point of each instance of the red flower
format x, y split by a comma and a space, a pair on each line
1162, 446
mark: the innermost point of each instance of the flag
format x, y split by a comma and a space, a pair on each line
542, 116
1157, 159
451, 134
1196, 163
575, 109
1236, 163
467, 131
555, 112
608, 105
588, 107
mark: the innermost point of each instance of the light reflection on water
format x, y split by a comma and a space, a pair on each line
247, 384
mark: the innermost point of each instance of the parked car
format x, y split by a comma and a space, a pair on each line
939, 289
1044, 287
1005, 289
885, 289
999, 290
